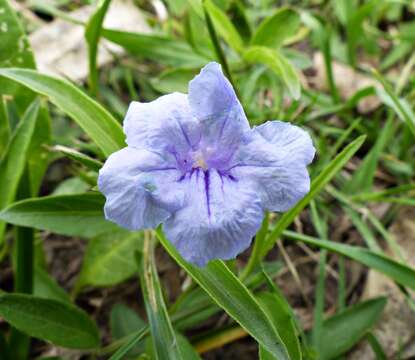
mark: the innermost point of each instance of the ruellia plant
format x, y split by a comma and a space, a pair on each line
210, 151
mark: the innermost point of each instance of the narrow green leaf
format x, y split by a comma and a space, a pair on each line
60, 323
86, 160
362, 179
316, 186
276, 28
397, 271
231, 295
187, 350
343, 330
278, 64
97, 122
109, 258
283, 322
162, 334
12, 164
224, 26
72, 215
376, 346
92, 34
132, 341
363, 228
197, 7
38, 155
400, 106
5, 132
161, 49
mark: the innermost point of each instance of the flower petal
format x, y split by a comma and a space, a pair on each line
163, 124
222, 119
275, 158
290, 138
141, 188
219, 220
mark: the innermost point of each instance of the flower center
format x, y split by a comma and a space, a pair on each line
199, 160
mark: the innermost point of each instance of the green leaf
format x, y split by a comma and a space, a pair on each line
173, 80
161, 49
92, 34
363, 178
283, 322
343, 330
38, 155
400, 106
86, 160
224, 26
46, 287
97, 122
109, 258
5, 131
317, 185
399, 272
186, 349
162, 334
276, 28
278, 64
71, 186
197, 7
73, 215
124, 322
376, 346
60, 323
232, 296
133, 340
177, 7
15, 51
12, 164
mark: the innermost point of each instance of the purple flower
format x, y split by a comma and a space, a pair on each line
194, 164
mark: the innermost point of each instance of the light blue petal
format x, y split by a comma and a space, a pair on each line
165, 124
275, 158
290, 138
219, 219
141, 188
222, 119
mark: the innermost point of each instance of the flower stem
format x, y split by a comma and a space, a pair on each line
255, 257
218, 49
24, 245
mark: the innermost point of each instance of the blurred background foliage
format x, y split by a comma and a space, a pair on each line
309, 286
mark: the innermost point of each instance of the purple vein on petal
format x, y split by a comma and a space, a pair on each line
207, 184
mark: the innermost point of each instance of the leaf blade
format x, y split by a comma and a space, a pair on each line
73, 215
278, 64
60, 323
222, 285
12, 164
97, 122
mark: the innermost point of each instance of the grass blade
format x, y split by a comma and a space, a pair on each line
92, 34
401, 273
